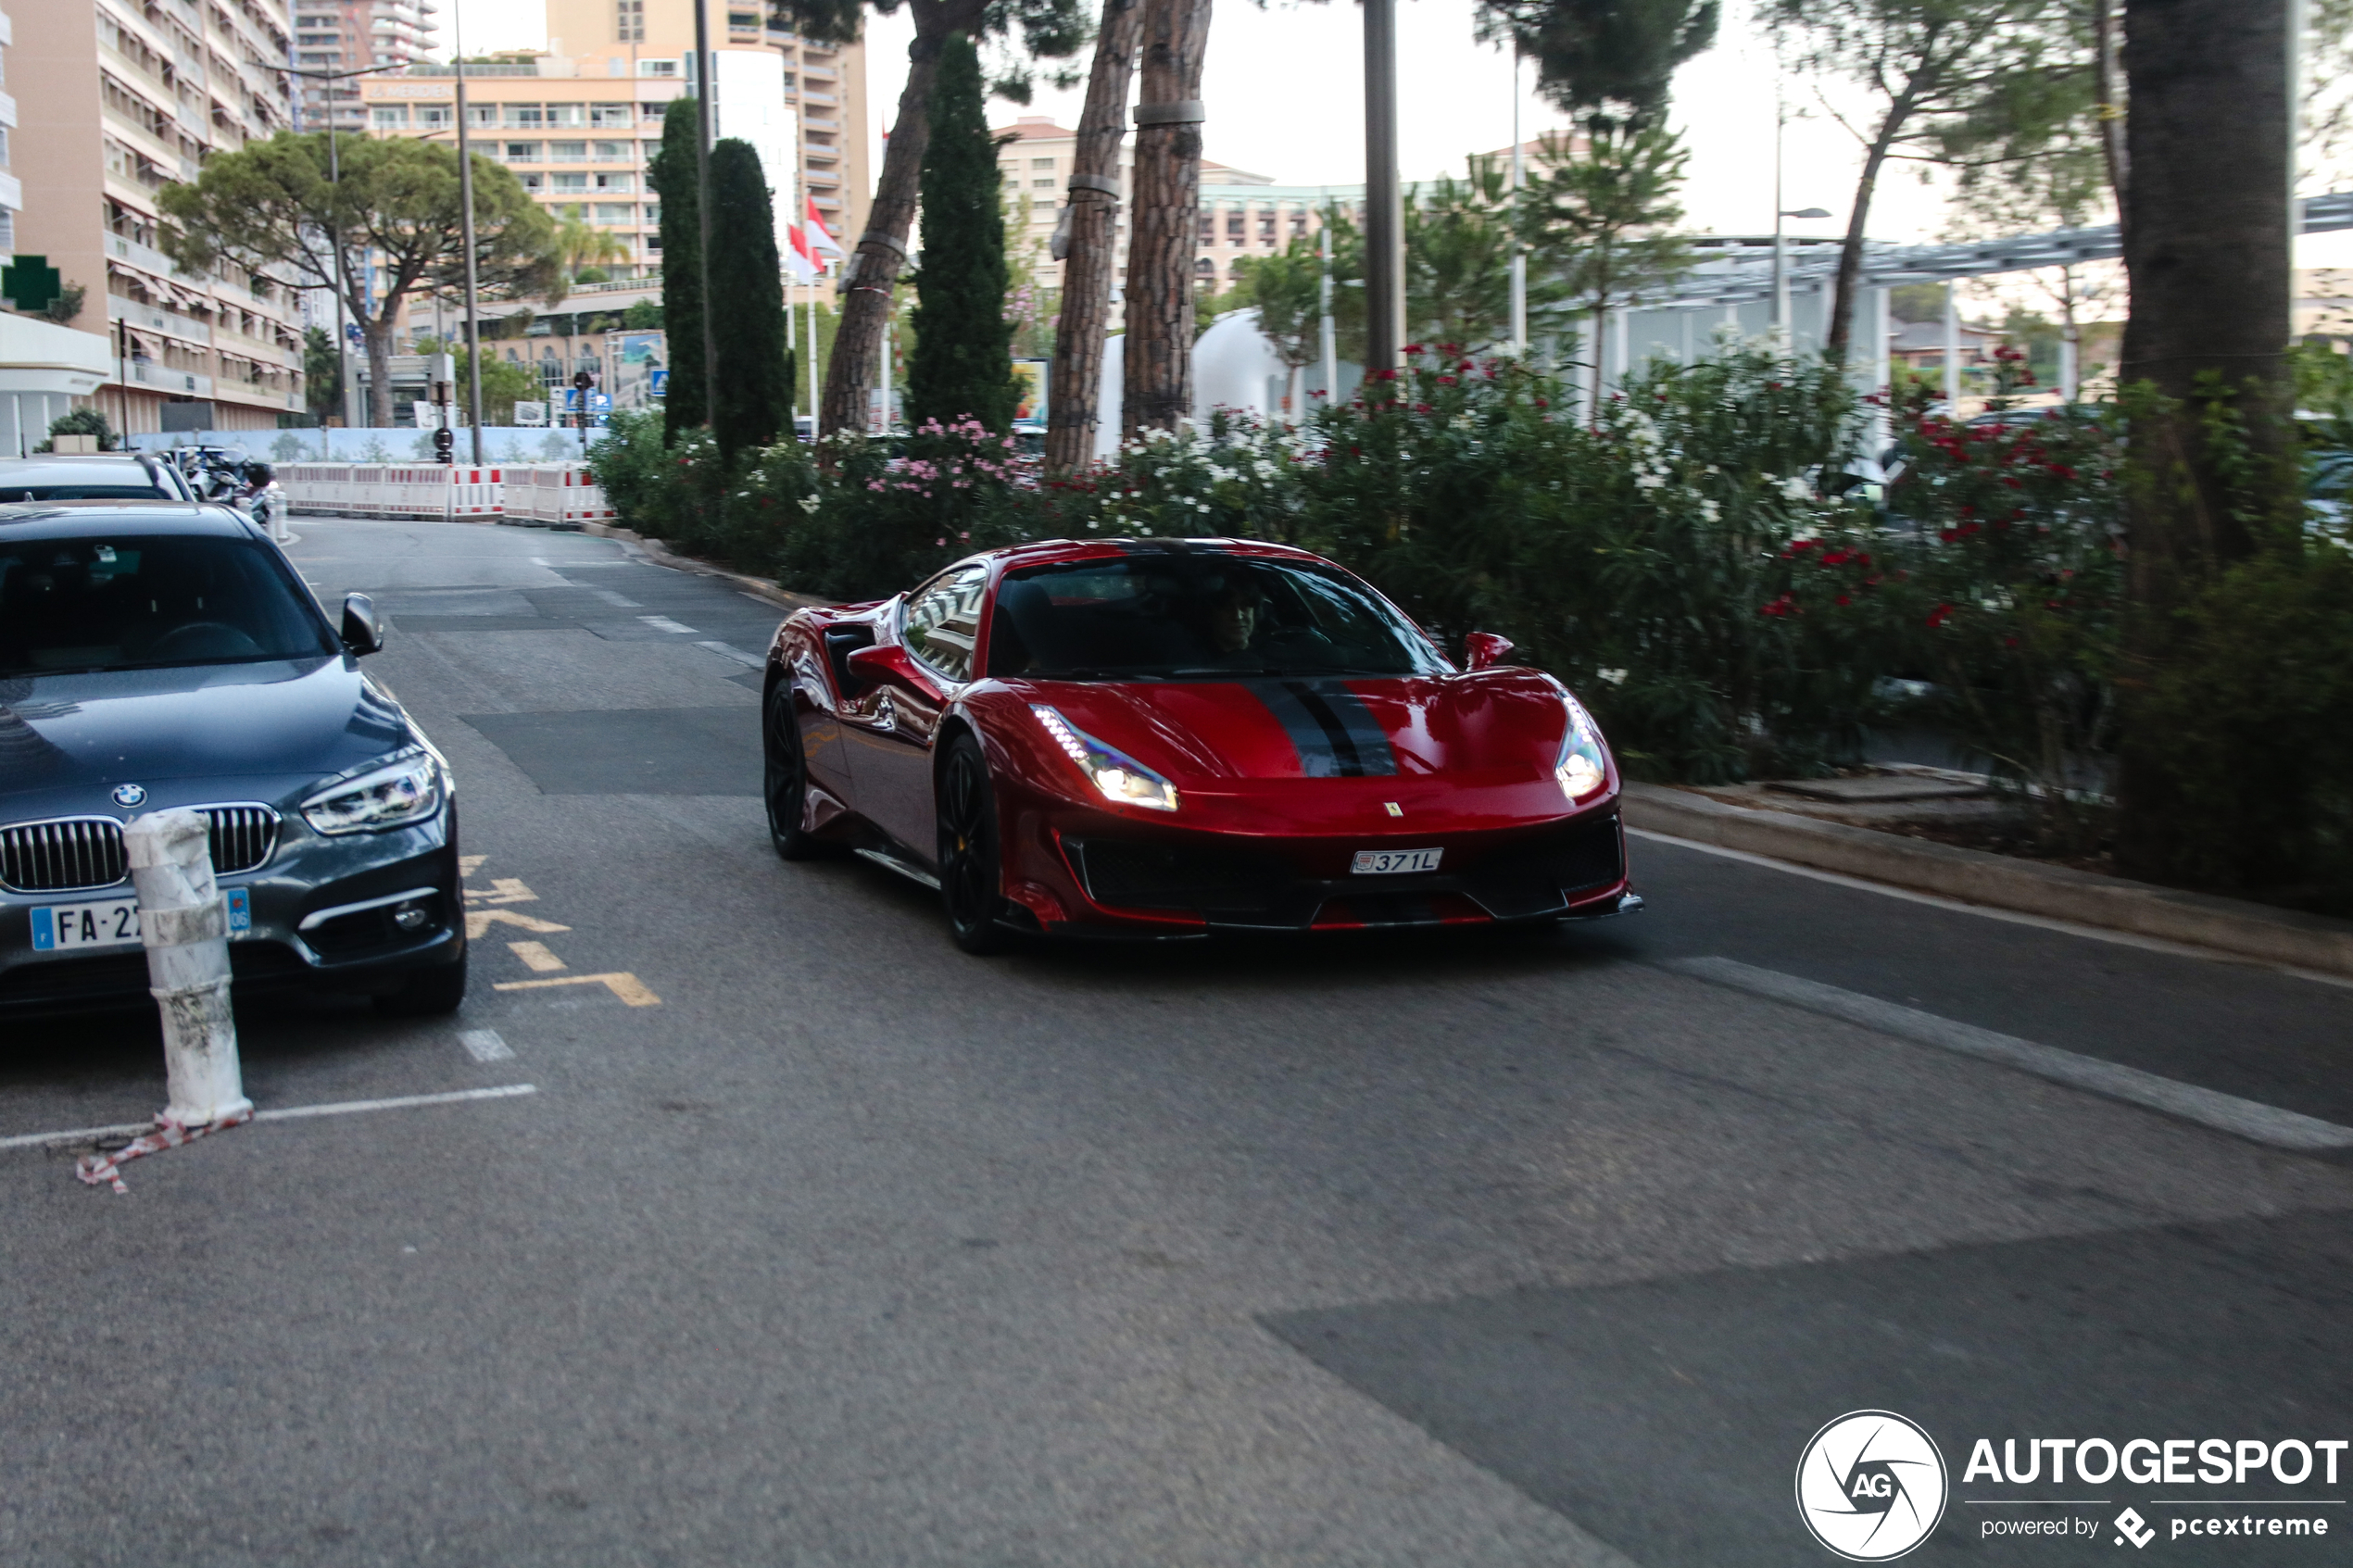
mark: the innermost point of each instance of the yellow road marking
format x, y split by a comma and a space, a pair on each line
469, 864
505, 890
628, 987
536, 956
478, 922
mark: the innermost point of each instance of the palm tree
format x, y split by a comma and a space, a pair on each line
576, 246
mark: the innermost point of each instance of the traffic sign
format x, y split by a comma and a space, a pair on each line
353, 334
661, 387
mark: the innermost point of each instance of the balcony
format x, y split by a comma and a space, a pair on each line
145, 257
162, 378
156, 319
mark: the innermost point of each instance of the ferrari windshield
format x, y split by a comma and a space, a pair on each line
1199, 615
130, 602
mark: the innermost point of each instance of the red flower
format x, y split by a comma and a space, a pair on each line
1410, 348
1949, 535
1844, 599
1541, 404
1940, 615
1445, 380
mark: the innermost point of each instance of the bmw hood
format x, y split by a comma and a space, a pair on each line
1492, 727
181, 736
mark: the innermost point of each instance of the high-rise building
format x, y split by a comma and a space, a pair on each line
118, 99
341, 35
579, 123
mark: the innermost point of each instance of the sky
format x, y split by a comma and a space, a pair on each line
1283, 86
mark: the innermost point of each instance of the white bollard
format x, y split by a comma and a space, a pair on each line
184, 924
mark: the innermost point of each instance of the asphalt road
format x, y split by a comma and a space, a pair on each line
817, 1242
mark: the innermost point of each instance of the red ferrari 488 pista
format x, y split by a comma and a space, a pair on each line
1170, 737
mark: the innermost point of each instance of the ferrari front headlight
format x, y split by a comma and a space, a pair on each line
407, 790
1582, 769
1120, 777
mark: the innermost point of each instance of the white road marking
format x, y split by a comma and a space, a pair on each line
2228, 1113
623, 600
664, 623
748, 660
485, 1045
287, 1113
2016, 917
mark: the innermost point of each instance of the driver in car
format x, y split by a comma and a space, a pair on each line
1233, 621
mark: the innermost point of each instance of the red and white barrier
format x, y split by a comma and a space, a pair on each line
535, 494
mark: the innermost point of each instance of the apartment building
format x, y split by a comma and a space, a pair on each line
1242, 214
116, 97
341, 35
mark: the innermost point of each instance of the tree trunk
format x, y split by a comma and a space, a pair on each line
1850, 251
377, 331
1072, 416
877, 258
1165, 226
2208, 251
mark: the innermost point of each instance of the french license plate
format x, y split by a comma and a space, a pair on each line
112, 922
1388, 862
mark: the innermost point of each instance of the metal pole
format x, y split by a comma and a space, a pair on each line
343, 278
1384, 198
1520, 251
1326, 340
466, 238
1781, 266
704, 110
1951, 353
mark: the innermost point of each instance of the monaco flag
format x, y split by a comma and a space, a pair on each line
799, 265
821, 244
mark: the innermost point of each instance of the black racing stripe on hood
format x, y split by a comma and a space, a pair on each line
1360, 738
1334, 735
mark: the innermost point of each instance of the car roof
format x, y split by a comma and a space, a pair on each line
1047, 552
116, 520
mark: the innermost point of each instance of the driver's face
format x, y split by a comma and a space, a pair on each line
1231, 622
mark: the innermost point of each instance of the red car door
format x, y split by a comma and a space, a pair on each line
895, 725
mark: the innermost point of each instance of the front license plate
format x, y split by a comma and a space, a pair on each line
1386, 862
112, 922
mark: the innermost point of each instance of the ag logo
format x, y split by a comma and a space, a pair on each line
1870, 1486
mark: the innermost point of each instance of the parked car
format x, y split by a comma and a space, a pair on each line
1153, 737
104, 476
158, 655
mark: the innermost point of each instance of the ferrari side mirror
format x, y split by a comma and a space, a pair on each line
873, 665
1484, 650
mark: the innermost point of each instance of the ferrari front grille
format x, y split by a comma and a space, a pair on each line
1156, 875
74, 854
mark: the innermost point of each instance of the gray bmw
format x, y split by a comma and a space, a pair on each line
160, 654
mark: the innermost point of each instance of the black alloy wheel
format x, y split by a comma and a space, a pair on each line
785, 784
968, 859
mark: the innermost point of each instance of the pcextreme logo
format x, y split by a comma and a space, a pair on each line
1871, 1485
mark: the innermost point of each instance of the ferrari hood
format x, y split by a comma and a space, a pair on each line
1497, 726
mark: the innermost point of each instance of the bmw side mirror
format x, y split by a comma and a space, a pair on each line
1484, 650
361, 632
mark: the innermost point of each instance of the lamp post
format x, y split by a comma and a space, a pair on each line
1384, 198
466, 238
1520, 251
1780, 265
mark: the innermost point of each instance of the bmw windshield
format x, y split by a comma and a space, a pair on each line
1198, 616
128, 602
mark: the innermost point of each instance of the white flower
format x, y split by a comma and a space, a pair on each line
1648, 481
1710, 511
809, 504
1614, 677
1797, 488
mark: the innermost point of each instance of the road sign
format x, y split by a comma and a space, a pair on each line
531, 413
353, 334
661, 387
32, 285
599, 402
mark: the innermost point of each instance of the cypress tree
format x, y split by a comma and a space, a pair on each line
751, 394
962, 363
672, 174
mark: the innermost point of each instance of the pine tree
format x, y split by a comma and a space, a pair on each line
962, 363
686, 404
751, 392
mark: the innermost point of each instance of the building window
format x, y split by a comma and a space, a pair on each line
629, 21
439, 116
386, 116
618, 183
530, 116
743, 21
611, 152
1045, 184
568, 182
8, 231
657, 67
568, 152
523, 152
609, 213
1042, 163
618, 117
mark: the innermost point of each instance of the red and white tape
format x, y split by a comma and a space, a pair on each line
94, 1169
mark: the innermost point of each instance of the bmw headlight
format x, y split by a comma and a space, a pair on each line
407, 790
1119, 776
1581, 771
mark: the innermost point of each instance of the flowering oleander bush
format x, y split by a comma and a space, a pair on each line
1694, 559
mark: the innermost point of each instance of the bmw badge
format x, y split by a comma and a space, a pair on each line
130, 795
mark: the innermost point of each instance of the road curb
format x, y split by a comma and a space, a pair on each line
2226, 925
662, 555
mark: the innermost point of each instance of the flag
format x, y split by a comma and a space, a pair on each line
821, 242
799, 265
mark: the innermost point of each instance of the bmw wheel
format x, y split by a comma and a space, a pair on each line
968, 858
